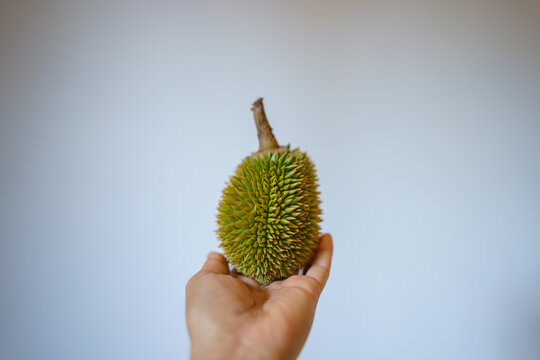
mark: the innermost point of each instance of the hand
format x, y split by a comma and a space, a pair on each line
230, 316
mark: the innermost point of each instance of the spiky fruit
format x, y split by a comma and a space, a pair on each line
268, 217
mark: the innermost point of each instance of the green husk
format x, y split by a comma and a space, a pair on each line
268, 217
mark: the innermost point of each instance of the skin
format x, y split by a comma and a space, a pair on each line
230, 316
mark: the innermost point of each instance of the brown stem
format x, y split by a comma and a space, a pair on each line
267, 141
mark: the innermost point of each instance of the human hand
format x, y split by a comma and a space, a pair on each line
230, 316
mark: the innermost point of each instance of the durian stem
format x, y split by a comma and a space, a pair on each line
267, 141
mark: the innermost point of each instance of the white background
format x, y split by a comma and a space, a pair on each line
121, 122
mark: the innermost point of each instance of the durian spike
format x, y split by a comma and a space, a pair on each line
267, 141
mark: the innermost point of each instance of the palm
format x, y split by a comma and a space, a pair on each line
272, 321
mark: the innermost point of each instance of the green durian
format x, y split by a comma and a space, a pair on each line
269, 214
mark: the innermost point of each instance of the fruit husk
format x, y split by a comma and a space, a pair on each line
268, 217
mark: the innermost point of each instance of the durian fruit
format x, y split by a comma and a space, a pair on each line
268, 217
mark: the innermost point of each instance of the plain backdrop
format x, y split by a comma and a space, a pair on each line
122, 120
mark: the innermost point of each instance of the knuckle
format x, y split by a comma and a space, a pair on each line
192, 280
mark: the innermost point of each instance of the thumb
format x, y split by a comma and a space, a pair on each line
215, 263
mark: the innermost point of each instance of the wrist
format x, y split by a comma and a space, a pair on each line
213, 347
227, 350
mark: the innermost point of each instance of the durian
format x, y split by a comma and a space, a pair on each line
269, 214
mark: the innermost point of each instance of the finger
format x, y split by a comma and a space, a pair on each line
215, 263
320, 268
305, 269
248, 281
